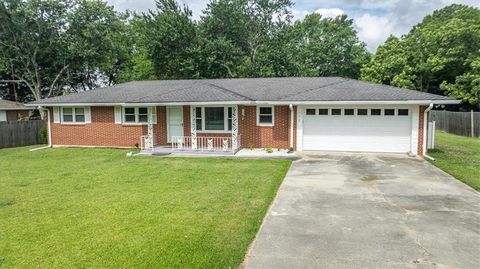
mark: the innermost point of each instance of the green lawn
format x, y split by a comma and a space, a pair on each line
96, 208
459, 156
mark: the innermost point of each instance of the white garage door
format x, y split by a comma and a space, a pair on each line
357, 129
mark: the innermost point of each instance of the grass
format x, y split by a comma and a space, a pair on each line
96, 208
459, 156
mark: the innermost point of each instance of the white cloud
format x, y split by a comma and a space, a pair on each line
373, 30
329, 12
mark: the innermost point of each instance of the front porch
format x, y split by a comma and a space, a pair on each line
191, 130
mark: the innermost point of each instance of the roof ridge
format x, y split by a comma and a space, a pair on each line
230, 91
312, 89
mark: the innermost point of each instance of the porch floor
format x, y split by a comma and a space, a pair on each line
167, 150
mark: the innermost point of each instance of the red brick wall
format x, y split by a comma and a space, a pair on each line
104, 132
277, 136
420, 130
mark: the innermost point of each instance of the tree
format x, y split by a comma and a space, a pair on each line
330, 47
172, 35
51, 46
246, 27
439, 55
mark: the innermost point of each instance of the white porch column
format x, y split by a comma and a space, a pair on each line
193, 126
235, 144
149, 140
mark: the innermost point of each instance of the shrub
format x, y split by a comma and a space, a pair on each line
269, 150
43, 134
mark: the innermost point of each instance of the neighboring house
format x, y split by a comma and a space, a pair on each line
12, 111
310, 113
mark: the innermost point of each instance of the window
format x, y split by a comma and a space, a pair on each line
135, 114
362, 112
199, 118
73, 114
142, 114
265, 115
67, 114
323, 111
129, 114
403, 112
375, 112
310, 111
348, 112
336, 111
389, 112
214, 119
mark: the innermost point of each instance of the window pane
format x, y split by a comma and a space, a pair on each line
79, 111
389, 112
129, 110
199, 124
229, 124
214, 118
67, 111
348, 112
230, 113
362, 112
79, 118
403, 112
265, 119
336, 111
142, 110
323, 111
142, 118
310, 111
198, 112
130, 118
375, 112
265, 111
67, 118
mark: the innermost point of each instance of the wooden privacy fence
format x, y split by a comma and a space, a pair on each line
459, 123
20, 133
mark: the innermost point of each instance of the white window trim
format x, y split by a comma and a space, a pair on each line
258, 116
136, 116
74, 120
225, 120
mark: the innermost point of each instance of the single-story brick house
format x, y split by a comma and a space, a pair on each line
13, 111
307, 113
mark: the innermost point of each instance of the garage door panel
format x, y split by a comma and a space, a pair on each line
357, 133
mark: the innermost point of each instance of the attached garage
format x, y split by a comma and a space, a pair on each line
364, 129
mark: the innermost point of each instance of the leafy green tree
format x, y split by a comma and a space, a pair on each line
51, 46
439, 55
172, 35
330, 47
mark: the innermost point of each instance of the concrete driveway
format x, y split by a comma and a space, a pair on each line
339, 210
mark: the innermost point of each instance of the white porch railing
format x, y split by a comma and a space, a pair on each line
205, 144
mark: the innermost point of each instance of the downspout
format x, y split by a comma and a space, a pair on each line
291, 125
49, 130
425, 131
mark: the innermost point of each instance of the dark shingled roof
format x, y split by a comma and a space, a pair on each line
9, 105
293, 89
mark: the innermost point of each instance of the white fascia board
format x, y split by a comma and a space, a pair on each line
21, 108
407, 102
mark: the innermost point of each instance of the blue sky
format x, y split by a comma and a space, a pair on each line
374, 20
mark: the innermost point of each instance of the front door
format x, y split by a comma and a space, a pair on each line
174, 121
